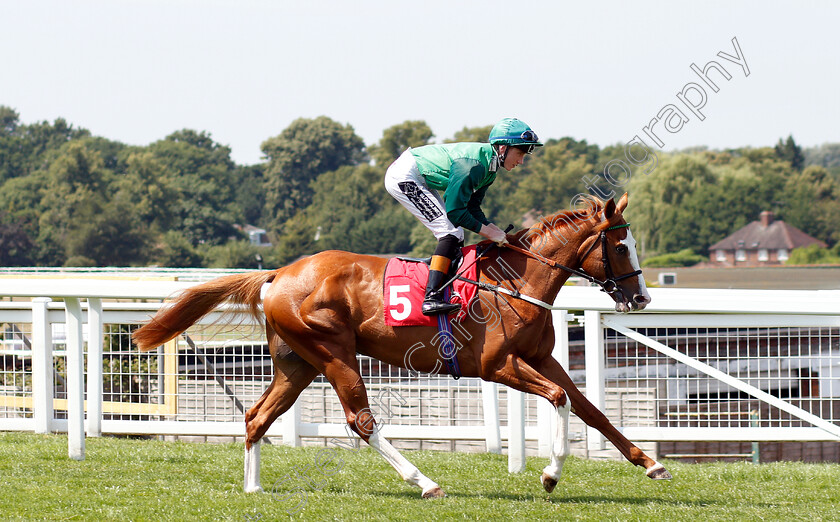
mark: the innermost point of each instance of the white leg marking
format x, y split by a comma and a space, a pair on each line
252, 469
406, 469
656, 467
560, 446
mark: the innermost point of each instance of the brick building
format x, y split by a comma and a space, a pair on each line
767, 241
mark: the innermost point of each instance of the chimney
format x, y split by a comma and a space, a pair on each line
766, 218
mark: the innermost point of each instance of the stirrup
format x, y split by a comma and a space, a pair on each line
438, 306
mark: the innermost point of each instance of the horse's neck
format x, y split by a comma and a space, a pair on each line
544, 281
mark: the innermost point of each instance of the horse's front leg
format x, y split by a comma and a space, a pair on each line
519, 375
548, 379
559, 449
589, 414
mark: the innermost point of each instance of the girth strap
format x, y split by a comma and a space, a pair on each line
448, 348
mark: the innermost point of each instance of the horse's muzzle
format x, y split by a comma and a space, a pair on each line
640, 301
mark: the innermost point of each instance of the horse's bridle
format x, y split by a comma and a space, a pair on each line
609, 284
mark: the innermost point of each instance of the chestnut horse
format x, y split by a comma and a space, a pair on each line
324, 309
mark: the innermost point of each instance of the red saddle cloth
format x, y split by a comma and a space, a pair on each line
405, 288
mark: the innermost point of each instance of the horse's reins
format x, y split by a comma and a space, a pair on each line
609, 284
478, 255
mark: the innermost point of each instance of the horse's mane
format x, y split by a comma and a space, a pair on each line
588, 206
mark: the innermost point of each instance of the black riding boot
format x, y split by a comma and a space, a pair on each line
434, 304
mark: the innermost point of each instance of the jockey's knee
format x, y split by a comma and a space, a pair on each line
447, 246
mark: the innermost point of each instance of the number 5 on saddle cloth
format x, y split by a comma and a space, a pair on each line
404, 289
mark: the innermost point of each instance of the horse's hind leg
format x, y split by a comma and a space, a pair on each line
343, 373
292, 375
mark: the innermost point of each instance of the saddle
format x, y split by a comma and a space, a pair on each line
453, 267
405, 286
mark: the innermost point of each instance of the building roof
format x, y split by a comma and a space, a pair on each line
766, 233
250, 228
779, 277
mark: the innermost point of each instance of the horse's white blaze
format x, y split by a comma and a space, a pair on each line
560, 446
406, 469
630, 243
252, 469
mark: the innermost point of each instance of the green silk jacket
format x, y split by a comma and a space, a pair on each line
463, 171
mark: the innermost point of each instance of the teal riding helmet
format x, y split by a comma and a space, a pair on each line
511, 131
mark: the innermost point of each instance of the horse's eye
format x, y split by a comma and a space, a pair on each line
621, 249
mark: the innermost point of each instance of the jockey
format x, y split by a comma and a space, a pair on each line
463, 171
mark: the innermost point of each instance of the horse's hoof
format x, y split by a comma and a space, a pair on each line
658, 472
434, 493
548, 483
251, 489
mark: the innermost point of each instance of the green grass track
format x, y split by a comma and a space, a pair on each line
124, 479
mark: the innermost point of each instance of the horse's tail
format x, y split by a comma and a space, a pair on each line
193, 303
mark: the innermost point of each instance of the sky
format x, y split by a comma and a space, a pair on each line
135, 71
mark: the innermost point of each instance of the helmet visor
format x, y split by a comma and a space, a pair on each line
528, 136
527, 148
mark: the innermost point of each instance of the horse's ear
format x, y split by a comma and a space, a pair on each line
622, 203
609, 209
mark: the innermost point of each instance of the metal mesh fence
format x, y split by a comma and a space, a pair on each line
800, 365
15, 372
215, 376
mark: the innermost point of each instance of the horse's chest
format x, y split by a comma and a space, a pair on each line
530, 333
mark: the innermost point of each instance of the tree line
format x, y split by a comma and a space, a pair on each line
69, 198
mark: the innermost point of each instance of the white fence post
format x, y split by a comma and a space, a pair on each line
594, 346
516, 431
42, 366
94, 367
545, 421
561, 337
291, 425
546, 414
75, 380
490, 406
